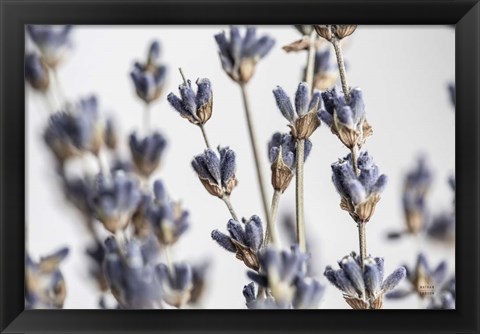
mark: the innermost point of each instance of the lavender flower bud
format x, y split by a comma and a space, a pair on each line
176, 284
149, 78
167, 218
111, 134
240, 55
442, 228
147, 152
363, 289
305, 120
52, 41
199, 281
114, 200
44, 283
245, 240
339, 31
346, 120
36, 72
359, 194
308, 293
217, 174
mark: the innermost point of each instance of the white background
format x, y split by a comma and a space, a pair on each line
403, 71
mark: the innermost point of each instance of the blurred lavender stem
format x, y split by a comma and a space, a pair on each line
146, 119
341, 67
102, 163
169, 259
362, 242
59, 88
271, 232
201, 126
299, 195
226, 200
256, 156
311, 60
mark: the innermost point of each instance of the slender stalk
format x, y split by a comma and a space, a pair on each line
341, 67
226, 200
59, 87
204, 133
146, 119
362, 242
354, 152
311, 61
271, 235
256, 155
301, 240
102, 163
168, 257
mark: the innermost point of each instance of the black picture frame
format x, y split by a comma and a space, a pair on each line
464, 14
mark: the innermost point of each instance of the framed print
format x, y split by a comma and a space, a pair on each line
239, 166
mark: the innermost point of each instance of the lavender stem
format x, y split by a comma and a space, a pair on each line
226, 200
354, 152
341, 67
256, 155
311, 61
299, 195
362, 242
271, 235
204, 133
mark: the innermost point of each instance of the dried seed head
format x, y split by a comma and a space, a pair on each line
343, 30
246, 255
305, 125
281, 173
363, 211
324, 31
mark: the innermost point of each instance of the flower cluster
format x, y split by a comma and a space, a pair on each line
303, 121
53, 42
240, 54
359, 193
363, 288
147, 152
36, 72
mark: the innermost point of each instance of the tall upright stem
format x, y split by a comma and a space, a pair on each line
301, 239
226, 200
311, 61
271, 235
256, 155
204, 133
341, 67
362, 242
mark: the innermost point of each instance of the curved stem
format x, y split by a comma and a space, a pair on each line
311, 61
341, 67
204, 133
256, 155
299, 195
271, 235
226, 200
362, 239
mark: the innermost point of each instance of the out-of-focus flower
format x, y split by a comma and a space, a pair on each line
445, 298
280, 270
240, 55
423, 279
141, 225
442, 227
199, 281
52, 41
96, 253
363, 289
167, 218
416, 186
308, 293
282, 154
359, 194
176, 283
131, 280
196, 107
36, 72
76, 131
44, 283
114, 199
338, 31
147, 152
254, 302
149, 78
244, 241
110, 136
325, 75
303, 120
77, 191
216, 174
346, 120
304, 29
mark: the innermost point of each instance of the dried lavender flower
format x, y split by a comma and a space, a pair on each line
244, 240
359, 194
75, 131
199, 281
176, 283
111, 133
442, 227
304, 120
325, 75
240, 55
52, 41
282, 156
445, 298
44, 283
304, 29
363, 289
114, 199
149, 77
131, 280
217, 174
147, 151
308, 293
195, 107
167, 218
36, 72
279, 272
338, 31
346, 120
423, 279
259, 303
